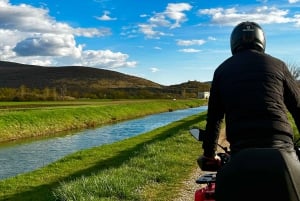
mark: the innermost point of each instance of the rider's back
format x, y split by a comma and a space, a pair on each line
254, 92
252, 85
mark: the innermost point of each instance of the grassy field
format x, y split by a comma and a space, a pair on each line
150, 166
29, 119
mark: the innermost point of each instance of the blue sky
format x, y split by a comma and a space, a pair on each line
168, 42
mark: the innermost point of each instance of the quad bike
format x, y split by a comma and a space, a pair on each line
207, 193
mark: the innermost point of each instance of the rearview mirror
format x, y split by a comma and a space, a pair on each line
197, 133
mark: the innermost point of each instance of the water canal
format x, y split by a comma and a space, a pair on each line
27, 156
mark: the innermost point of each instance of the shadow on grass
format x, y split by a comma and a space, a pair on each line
44, 191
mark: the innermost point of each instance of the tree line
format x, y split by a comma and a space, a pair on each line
24, 93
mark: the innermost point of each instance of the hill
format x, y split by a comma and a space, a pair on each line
192, 85
13, 75
30, 82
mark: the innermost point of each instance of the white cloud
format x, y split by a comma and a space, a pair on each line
293, 1
154, 70
171, 18
30, 35
48, 45
148, 30
35, 60
28, 19
159, 20
190, 42
262, 1
211, 38
106, 17
3, 3
91, 32
93, 58
175, 11
6, 52
297, 20
106, 59
143, 15
261, 15
129, 31
38, 62
189, 50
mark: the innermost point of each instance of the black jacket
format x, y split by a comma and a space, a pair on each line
253, 91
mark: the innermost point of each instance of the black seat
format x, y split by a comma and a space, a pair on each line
259, 174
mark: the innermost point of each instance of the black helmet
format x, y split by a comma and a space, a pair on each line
247, 35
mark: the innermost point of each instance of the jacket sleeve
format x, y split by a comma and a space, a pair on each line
292, 97
215, 115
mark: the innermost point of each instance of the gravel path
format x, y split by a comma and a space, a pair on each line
189, 186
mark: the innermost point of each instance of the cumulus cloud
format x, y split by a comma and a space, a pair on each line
261, 15
106, 59
48, 45
30, 35
175, 11
171, 18
25, 18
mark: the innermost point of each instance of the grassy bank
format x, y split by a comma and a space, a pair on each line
146, 167
24, 120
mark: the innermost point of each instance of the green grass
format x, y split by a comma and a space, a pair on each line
36, 119
146, 167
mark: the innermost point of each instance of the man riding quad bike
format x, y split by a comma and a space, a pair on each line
254, 92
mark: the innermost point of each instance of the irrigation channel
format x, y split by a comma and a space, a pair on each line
27, 156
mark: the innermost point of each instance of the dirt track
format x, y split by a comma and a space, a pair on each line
189, 185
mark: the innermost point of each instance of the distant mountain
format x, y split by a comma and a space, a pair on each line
13, 75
